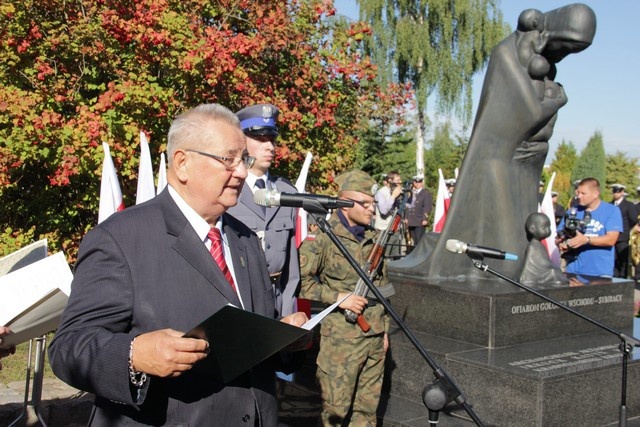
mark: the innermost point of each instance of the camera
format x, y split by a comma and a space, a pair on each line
573, 224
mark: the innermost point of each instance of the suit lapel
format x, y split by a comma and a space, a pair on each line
189, 246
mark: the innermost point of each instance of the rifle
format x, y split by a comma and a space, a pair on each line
372, 265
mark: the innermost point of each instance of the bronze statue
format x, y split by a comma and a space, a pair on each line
498, 182
538, 269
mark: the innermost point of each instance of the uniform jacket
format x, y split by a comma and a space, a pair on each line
629, 219
277, 225
142, 270
325, 273
419, 208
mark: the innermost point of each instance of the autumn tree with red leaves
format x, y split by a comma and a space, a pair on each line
76, 73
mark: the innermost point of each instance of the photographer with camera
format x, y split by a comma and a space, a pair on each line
589, 231
386, 199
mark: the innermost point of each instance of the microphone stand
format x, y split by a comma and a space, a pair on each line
443, 384
626, 342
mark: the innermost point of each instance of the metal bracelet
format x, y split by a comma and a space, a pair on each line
137, 378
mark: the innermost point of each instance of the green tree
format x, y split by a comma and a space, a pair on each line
76, 73
383, 143
562, 164
622, 170
446, 152
436, 46
378, 155
591, 162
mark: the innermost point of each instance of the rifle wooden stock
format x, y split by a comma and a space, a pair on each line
373, 264
364, 325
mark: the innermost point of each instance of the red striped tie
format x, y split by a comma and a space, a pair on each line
218, 255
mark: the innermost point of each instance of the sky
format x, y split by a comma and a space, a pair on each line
602, 82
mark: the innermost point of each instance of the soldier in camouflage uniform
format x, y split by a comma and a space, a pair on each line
350, 362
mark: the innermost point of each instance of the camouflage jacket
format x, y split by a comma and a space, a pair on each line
325, 273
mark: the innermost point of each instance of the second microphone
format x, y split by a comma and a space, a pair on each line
271, 198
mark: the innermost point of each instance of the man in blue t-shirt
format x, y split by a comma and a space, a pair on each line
590, 251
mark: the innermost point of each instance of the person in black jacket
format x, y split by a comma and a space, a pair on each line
418, 209
629, 219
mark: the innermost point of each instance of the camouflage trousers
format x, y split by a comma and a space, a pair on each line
350, 374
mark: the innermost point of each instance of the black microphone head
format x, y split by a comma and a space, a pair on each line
434, 397
456, 246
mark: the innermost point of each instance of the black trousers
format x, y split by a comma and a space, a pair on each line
621, 265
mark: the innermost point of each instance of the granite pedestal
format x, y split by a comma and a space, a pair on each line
518, 359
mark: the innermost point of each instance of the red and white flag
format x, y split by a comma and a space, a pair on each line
146, 189
302, 304
110, 193
546, 207
162, 174
442, 204
301, 218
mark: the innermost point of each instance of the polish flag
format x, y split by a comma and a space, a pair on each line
301, 219
302, 304
546, 207
162, 174
442, 204
110, 193
146, 189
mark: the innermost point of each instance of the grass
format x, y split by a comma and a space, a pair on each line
14, 367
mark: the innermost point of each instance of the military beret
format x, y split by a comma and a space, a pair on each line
356, 180
259, 120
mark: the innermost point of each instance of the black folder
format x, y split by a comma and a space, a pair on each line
239, 340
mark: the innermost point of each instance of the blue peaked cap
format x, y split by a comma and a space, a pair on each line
259, 120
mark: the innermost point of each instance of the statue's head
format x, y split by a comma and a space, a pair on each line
538, 226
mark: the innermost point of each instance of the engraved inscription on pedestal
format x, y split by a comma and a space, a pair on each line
570, 361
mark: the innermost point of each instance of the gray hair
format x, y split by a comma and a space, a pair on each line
188, 127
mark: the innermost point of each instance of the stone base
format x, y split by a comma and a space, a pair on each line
497, 314
573, 381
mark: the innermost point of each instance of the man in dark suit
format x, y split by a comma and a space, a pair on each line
418, 209
274, 226
146, 275
558, 210
629, 219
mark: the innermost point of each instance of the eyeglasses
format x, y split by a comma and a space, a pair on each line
617, 190
229, 162
365, 205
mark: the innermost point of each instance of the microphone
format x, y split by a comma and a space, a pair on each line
313, 202
459, 247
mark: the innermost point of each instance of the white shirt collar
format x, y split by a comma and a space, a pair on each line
251, 180
198, 223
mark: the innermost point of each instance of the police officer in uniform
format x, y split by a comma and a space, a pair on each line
274, 226
350, 361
